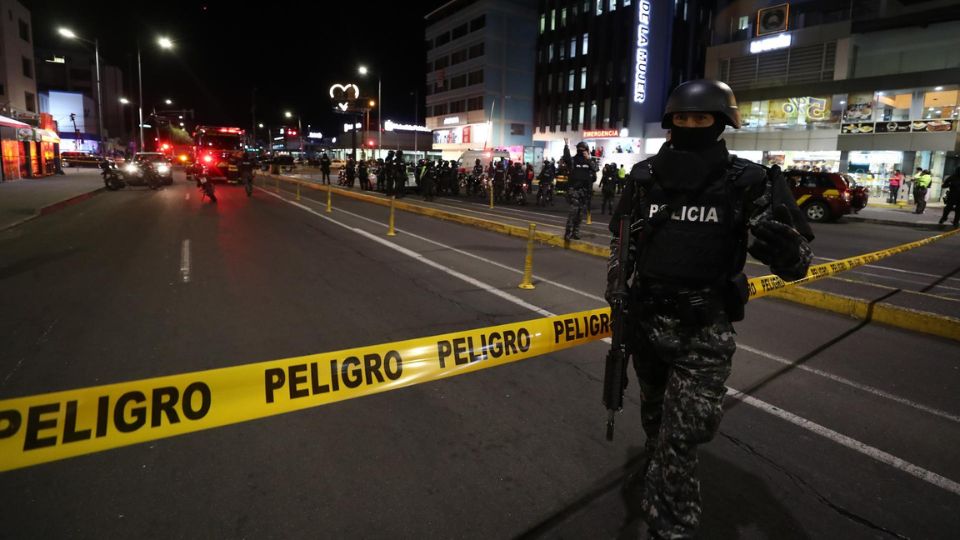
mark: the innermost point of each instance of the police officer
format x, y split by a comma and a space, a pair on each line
583, 172
692, 208
952, 199
545, 185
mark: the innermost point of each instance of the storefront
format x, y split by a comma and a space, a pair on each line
11, 148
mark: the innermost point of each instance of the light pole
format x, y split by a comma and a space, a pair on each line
67, 33
289, 114
165, 43
363, 71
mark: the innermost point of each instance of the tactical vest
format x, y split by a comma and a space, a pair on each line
703, 242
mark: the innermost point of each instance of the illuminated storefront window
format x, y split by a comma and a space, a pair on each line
798, 112
940, 104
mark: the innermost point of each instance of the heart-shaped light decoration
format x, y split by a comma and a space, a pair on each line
342, 91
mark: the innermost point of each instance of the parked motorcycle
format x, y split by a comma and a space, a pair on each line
545, 194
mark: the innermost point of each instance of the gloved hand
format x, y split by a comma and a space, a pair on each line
776, 243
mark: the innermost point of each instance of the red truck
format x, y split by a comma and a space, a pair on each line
213, 148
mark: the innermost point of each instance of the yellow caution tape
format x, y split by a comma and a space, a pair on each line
49, 427
764, 285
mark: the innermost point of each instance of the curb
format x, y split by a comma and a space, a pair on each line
55, 207
900, 317
895, 223
905, 318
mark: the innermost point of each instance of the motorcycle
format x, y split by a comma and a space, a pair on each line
205, 186
132, 174
518, 193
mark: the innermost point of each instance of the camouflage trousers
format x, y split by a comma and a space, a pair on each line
681, 369
578, 199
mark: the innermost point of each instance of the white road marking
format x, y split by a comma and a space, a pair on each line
853, 444
924, 274
185, 261
479, 258
863, 387
839, 438
901, 280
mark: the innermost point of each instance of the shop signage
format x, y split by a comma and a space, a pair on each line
773, 19
25, 134
600, 133
469, 134
451, 120
390, 125
642, 53
913, 126
850, 129
893, 127
772, 43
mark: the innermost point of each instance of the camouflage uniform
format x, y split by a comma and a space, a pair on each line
578, 199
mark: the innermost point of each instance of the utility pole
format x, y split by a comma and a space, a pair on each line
253, 116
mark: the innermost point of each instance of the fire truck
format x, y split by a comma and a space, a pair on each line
213, 148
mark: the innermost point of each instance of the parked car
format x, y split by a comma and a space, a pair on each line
79, 159
825, 196
161, 162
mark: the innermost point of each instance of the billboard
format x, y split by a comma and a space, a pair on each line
64, 104
653, 22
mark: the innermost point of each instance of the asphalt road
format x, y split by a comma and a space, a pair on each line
849, 430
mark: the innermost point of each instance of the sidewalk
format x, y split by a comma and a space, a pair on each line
23, 200
888, 214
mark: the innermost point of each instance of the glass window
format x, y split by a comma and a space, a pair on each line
475, 103
569, 114
458, 57
563, 17
476, 77
626, 3
613, 5
27, 68
549, 84
582, 112
550, 53
460, 31
562, 50
593, 114
583, 77
584, 48
570, 85
543, 22
441, 62
940, 104
859, 108
599, 7
443, 39
893, 106
553, 19
24, 30
573, 47
478, 23
743, 23
476, 50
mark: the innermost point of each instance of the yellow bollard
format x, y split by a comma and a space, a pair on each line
391, 231
589, 217
329, 200
490, 189
298, 191
527, 282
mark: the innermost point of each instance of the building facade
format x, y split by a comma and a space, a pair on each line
480, 77
18, 87
855, 86
605, 67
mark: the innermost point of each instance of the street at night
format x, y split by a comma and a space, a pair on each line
480, 269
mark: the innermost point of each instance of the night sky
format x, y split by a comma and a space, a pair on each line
291, 52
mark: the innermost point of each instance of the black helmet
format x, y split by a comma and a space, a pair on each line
703, 95
582, 144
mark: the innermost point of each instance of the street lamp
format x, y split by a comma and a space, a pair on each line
362, 70
288, 114
124, 101
164, 43
168, 101
69, 34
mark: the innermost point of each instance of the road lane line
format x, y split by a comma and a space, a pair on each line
924, 274
853, 444
842, 380
478, 257
827, 433
414, 255
185, 261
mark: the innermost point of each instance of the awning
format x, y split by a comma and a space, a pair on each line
10, 122
48, 136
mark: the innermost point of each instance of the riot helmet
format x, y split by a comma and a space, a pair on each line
703, 95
